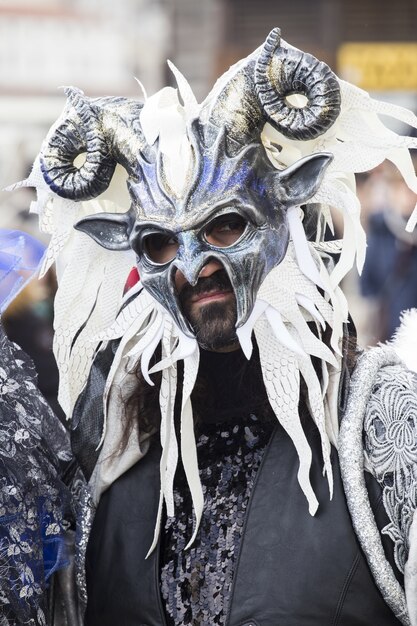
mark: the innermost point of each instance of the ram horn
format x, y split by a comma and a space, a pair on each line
255, 91
281, 72
90, 127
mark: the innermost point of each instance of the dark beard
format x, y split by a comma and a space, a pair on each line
214, 324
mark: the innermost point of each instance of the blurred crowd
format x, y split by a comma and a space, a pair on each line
387, 285
28, 321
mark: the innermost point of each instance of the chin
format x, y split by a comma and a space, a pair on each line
215, 326
218, 345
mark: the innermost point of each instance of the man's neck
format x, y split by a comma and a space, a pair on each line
228, 386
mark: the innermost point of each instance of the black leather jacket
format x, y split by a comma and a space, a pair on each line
292, 570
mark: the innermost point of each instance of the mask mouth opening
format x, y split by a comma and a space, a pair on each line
208, 308
218, 279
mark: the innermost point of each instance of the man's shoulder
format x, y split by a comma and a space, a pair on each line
381, 413
387, 378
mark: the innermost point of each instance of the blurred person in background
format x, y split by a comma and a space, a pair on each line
389, 277
28, 321
220, 414
34, 453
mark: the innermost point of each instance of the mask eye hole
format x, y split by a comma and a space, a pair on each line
160, 248
225, 230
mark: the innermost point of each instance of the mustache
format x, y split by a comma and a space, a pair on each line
219, 281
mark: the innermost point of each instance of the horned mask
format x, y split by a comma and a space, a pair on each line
227, 179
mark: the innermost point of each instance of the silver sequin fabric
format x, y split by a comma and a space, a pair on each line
196, 584
351, 456
85, 511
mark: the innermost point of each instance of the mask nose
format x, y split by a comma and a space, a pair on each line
191, 275
190, 257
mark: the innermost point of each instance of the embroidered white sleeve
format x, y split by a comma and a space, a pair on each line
391, 444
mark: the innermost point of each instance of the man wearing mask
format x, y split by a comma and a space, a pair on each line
234, 450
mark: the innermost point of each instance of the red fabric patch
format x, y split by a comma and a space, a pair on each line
132, 279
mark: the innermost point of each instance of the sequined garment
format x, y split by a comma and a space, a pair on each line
196, 584
33, 500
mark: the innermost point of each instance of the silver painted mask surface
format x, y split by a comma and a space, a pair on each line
245, 185
223, 185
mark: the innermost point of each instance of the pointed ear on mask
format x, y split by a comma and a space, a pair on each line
300, 181
110, 230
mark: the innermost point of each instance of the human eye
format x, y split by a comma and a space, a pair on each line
160, 247
225, 230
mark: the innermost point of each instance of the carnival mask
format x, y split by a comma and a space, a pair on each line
231, 205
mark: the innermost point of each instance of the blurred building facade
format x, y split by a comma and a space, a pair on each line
98, 46
233, 28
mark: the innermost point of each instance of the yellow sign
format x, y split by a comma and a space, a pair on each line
379, 66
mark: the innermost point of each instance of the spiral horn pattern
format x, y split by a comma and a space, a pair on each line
280, 72
80, 131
